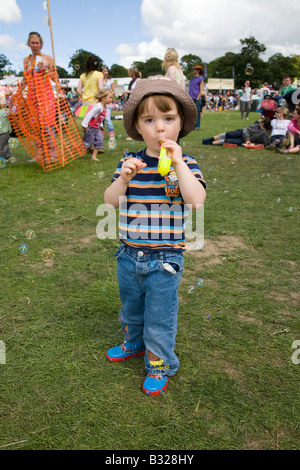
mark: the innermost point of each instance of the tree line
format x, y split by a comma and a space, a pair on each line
230, 65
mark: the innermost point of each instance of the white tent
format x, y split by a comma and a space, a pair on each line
11, 80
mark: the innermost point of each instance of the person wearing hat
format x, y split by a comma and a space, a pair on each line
196, 90
151, 224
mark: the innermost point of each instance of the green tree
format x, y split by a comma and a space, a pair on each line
4, 62
61, 72
188, 62
251, 48
152, 66
222, 67
78, 61
278, 66
249, 55
118, 71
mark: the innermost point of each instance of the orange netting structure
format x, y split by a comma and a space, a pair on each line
41, 117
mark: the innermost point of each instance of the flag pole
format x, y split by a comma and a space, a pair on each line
57, 90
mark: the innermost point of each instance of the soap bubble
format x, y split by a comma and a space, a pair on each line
41, 201
73, 52
48, 254
191, 289
200, 282
101, 174
17, 56
12, 159
23, 248
76, 66
2, 162
112, 144
13, 143
249, 69
291, 209
30, 234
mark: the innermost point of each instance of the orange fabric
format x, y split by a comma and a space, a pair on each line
42, 119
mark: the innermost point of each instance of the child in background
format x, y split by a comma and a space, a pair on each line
108, 84
92, 124
150, 259
5, 127
279, 130
294, 129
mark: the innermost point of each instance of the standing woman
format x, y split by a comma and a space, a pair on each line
108, 84
246, 100
91, 81
38, 70
135, 75
36, 60
196, 90
172, 68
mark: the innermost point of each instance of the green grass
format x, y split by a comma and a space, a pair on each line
236, 388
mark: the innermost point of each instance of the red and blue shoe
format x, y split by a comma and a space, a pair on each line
155, 384
126, 351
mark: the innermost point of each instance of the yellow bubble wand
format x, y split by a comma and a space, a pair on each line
164, 163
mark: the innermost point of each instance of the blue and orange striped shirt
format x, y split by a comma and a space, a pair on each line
153, 213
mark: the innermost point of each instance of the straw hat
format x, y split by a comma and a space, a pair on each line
159, 84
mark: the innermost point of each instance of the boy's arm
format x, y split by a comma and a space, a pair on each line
114, 192
119, 187
191, 189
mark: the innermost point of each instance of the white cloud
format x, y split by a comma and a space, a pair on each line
10, 11
8, 43
209, 29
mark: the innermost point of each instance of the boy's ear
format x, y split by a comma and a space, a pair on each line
137, 127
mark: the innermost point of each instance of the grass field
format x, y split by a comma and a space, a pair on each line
237, 386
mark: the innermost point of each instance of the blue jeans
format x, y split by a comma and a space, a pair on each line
234, 137
198, 104
148, 286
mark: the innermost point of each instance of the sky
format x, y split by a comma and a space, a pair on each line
121, 32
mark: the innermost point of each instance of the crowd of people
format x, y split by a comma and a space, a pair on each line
281, 132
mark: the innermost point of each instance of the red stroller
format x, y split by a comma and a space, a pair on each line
268, 106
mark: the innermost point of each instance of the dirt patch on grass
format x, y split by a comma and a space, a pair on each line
214, 251
292, 298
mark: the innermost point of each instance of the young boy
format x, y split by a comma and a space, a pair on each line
152, 214
5, 127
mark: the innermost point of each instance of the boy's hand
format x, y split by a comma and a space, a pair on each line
130, 168
174, 151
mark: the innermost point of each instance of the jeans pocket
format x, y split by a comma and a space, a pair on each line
173, 265
120, 251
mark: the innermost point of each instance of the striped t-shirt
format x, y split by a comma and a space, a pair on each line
153, 213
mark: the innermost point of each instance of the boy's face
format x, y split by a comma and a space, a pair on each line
155, 125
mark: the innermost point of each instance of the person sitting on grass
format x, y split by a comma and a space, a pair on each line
294, 128
254, 136
279, 132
